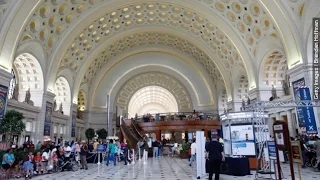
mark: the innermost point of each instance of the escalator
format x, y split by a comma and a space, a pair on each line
137, 129
129, 134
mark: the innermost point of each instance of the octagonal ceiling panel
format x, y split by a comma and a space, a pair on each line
147, 39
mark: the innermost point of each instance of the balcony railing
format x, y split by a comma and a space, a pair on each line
176, 116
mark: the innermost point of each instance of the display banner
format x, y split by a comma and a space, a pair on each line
272, 150
308, 112
101, 148
296, 152
3, 101
47, 120
74, 123
242, 140
296, 85
315, 55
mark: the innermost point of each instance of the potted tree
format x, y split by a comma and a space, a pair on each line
12, 124
184, 152
102, 133
89, 133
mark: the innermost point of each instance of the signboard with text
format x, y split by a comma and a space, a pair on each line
73, 126
296, 85
272, 150
296, 152
47, 119
308, 112
3, 101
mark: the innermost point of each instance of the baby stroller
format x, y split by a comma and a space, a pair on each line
68, 163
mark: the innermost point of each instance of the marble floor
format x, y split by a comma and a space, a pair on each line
156, 169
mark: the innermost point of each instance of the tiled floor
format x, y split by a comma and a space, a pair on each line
155, 169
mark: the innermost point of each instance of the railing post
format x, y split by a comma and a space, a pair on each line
133, 157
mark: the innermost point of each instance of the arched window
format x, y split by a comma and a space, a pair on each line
12, 85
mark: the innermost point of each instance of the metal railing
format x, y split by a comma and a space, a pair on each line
176, 116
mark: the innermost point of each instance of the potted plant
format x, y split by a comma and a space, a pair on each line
90, 134
12, 124
184, 152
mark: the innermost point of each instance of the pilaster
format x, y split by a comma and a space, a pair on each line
47, 97
5, 77
254, 94
73, 109
291, 127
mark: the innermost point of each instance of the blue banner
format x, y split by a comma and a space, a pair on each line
101, 148
296, 85
3, 101
308, 113
272, 150
74, 123
47, 120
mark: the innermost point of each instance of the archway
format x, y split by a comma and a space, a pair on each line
82, 101
152, 99
29, 76
63, 96
176, 89
241, 92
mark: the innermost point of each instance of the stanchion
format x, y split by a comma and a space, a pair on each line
144, 157
139, 154
132, 156
299, 171
98, 158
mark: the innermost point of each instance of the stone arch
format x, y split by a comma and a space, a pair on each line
289, 33
152, 98
30, 76
82, 100
273, 69
241, 90
63, 94
153, 79
222, 101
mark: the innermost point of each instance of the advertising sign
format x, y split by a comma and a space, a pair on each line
226, 139
47, 119
308, 113
272, 150
3, 101
296, 152
101, 148
279, 138
242, 139
296, 85
74, 123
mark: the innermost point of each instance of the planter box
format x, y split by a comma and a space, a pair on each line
184, 155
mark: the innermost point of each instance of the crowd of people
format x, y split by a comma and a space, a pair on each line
44, 157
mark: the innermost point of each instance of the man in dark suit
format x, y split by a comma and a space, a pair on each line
214, 156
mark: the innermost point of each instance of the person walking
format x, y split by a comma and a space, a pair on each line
193, 148
112, 153
155, 146
214, 156
317, 148
83, 155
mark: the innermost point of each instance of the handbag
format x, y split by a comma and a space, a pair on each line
50, 166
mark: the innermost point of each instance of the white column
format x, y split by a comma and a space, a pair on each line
5, 78
278, 117
73, 108
292, 131
47, 97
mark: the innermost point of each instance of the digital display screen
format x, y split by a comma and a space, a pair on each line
242, 140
